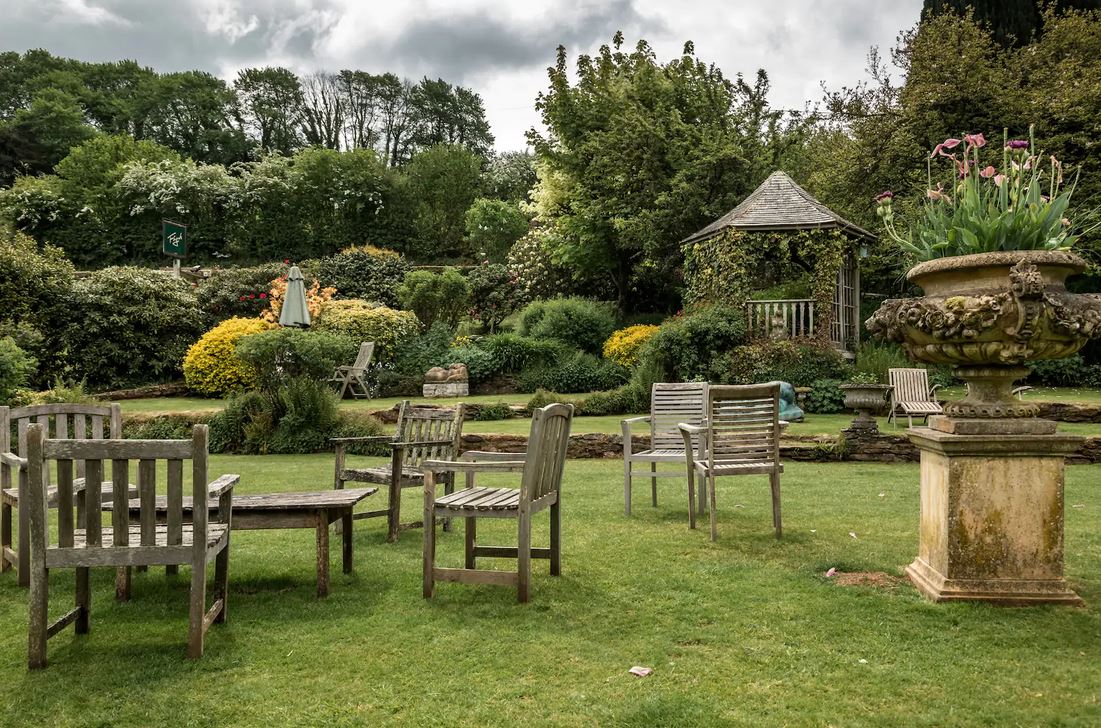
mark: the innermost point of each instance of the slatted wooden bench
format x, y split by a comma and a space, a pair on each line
317, 510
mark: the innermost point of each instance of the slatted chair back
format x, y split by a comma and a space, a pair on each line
546, 455
111, 460
60, 421
429, 424
910, 385
670, 405
363, 359
743, 423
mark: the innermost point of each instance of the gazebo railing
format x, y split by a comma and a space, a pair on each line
785, 318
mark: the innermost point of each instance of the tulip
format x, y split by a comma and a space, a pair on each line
1017, 144
946, 144
987, 172
975, 140
886, 196
999, 179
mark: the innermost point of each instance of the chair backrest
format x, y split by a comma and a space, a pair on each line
61, 421
97, 455
363, 359
743, 423
672, 404
910, 385
546, 455
426, 424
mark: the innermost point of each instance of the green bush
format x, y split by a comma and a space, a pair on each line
241, 292
362, 321
493, 412
16, 368
212, 368
577, 322
798, 362
515, 353
481, 365
825, 397
420, 353
433, 297
494, 294
130, 326
1070, 372
623, 400
694, 346
282, 354
875, 359
59, 393
162, 427
579, 372
364, 272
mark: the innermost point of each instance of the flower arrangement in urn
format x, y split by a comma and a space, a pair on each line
993, 250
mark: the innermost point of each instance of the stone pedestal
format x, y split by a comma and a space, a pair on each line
991, 513
437, 390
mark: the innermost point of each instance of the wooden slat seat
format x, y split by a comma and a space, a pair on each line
10, 496
482, 499
659, 456
135, 553
911, 395
920, 408
749, 467
381, 475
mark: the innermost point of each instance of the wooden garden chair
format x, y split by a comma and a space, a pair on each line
423, 433
63, 546
670, 405
62, 421
741, 436
540, 488
911, 395
354, 378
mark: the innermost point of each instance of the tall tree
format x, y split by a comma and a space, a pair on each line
322, 110
1011, 22
195, 114
271, 106
359, 94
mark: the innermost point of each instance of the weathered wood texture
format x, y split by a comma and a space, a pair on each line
61, 421
540, 488
741, 436
125, 543
911, 395
670, 405
354, 378
422, 434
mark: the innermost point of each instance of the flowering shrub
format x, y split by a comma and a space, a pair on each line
212, 367
316, 296
623, 346
361, 321
241, 291
979, 208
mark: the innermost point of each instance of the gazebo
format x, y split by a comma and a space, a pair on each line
780, 205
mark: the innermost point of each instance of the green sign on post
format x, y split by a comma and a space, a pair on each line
174, 236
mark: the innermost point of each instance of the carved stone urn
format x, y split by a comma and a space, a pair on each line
988, 314
867, 400
991, 526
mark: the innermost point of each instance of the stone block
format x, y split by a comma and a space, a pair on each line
435, 390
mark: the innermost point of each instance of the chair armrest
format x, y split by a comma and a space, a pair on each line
632, 420
690, 429
933, 390
784, 424
366, 438
485, 456
459, 466
224, 484
13, 460
420, 443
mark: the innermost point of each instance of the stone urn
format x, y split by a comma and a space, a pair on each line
867, 400
987, 314
991, 526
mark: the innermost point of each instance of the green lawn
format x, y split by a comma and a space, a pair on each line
742, 632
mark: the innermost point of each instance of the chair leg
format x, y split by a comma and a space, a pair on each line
5, 536
221, 581
691, 497
556, 539
83, 601
654, 484
38, 622
711, 494
626, 486
429, 552
122, 583
471, 533
23, 575
523, 558
448, 489
774, 481
197, 610
393, 517
701, 495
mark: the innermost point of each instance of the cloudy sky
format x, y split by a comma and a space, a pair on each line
501, 48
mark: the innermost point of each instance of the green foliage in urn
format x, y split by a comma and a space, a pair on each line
1008, 199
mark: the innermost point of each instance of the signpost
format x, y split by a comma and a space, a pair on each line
174, 242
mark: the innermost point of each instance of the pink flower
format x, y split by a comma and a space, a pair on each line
946, 144
975, 140
243, 298
1016, 144
964, 168
263, 295
886, 196
999, 179
938, 195
987, 172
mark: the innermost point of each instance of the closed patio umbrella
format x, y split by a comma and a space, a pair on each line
294, 311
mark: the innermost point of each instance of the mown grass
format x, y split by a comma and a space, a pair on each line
743, 631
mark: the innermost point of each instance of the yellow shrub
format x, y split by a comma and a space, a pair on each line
361, 321
623, 346
211, 366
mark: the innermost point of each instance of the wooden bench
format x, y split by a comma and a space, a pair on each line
317, 510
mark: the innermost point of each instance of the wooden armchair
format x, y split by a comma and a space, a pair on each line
122, 544
670, 405
540, 488
741, 436
354, 378
62, 421
423, 433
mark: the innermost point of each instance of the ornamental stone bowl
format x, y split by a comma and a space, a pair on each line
987, 314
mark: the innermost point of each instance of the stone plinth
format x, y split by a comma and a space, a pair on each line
436, 390
992, 517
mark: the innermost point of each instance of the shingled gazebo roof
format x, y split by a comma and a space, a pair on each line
779, 204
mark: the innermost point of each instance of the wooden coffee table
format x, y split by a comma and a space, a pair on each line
317, 510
